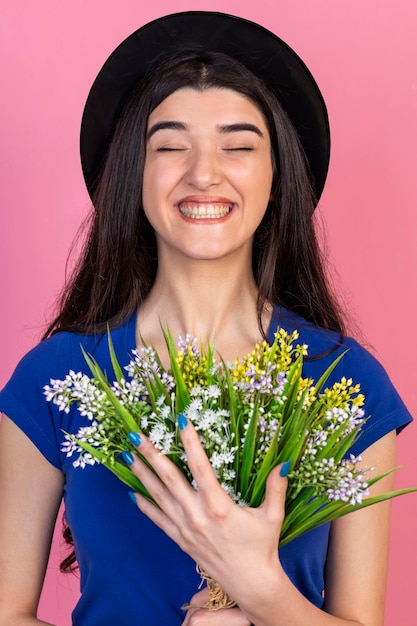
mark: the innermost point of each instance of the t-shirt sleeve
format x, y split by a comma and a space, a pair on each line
384, 409
23, 400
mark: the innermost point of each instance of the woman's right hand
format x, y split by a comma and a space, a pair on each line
203, 617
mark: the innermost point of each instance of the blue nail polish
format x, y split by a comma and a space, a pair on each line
182, 421
285, 469
135, 438
127, 457
132, 497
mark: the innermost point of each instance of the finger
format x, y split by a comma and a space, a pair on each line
157, 515
164, 478
147, 477
276, 488
168, 510
197, 459
197, 601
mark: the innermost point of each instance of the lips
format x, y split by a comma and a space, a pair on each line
205, 210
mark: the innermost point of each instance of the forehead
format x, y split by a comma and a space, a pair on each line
209, 106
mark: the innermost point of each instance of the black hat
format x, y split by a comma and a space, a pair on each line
262, 52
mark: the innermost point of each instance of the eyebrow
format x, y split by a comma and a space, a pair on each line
236, 128
222, 128
162, 125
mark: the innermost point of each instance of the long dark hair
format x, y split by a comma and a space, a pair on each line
118, 265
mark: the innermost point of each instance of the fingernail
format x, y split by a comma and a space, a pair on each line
132, 497
182, 421
135, 438
285, 469
127, 457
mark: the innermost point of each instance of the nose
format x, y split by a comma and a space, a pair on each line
204, 170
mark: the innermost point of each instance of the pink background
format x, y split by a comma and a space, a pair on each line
364, 57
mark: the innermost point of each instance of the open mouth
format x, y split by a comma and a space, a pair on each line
205, 211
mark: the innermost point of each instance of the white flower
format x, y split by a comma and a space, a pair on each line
213, 391
216, 460
128, 392
192, 411
83, 460
69, 446
165, 412
157, 434
165, 445
205, 420
196, 391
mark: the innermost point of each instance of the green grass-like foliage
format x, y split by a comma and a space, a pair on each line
250, 415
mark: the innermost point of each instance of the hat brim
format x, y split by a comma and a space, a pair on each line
262, 52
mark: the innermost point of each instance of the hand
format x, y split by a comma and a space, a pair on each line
237, 546
203, 617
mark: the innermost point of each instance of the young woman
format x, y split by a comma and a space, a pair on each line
205, 147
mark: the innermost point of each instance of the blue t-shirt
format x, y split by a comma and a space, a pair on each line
130, 571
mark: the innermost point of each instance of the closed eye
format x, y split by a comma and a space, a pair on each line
242, 148
169, 149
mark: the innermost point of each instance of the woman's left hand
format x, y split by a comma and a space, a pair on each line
235, 545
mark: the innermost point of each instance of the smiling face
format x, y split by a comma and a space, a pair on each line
208, 173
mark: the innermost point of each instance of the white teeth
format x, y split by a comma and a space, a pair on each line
205, 211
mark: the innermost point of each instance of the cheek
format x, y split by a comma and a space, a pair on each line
147, 185
152, 195
261, 193
158, 183
260, 185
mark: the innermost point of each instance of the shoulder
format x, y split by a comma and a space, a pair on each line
63, 351
324, 345
383, 405
47, 358
53, 357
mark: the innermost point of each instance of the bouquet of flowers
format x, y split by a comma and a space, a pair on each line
251, 415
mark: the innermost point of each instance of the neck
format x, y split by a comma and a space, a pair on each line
212, 300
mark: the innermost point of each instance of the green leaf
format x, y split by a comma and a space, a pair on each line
115, 363
293, 440
334, 510
236, 426
269, 462
208, 361
337, 445
323, 378
291, 388
127, 420
182, 395
119, 469
248, 450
